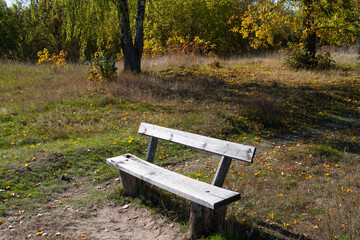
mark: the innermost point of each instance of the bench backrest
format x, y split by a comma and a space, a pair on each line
228, 150
223, 148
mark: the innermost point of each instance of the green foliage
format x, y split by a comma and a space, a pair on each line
102, 67
189, 20
89, 26
9, 31
222, 27
266, 23
298, 58
315, 23
334, 22
325, 151
77, 27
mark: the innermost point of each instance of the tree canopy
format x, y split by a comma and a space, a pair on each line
271, 23
222, 27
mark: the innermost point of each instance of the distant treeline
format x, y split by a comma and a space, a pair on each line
82, 27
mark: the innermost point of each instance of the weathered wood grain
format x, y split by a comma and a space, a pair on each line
150, 154
131, 184
199, 192
221, 172
204, 220
220, 147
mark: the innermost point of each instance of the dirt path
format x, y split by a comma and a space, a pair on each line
70, 216
126, 222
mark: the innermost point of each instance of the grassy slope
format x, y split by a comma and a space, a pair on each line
304, 180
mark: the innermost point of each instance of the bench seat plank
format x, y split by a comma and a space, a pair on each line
213, 145
196, 191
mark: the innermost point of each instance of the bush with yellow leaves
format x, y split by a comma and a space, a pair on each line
57, 60
180, 45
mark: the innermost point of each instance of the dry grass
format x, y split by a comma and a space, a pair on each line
305, 125
40, 84
303, 182
267, 109
149, 64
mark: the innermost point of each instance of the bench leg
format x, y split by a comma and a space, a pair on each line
204, 220
131, 184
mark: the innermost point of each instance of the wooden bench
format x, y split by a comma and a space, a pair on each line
208, 201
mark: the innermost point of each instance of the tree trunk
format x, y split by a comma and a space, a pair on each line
308, 26
132, 51
310, 44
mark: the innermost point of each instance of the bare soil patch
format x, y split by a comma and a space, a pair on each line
58, 220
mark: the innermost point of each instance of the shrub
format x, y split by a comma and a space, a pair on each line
57, 60
179, 45
214, 64
298, 58
102, 66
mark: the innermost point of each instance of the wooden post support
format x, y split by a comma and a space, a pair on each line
131, 184
204, 221
150, 154
221, 171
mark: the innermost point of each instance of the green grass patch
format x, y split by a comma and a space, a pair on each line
304, 124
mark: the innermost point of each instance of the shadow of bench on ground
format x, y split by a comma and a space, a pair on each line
177, 209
